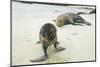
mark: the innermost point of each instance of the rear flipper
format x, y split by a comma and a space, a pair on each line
87, 23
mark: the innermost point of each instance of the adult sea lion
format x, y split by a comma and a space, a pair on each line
47, 37
70, 18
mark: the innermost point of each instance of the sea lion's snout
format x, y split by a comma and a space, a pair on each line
59, 22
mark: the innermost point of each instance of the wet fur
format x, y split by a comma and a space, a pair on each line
47, 37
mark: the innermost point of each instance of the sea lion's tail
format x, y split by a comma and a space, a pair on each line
87, 23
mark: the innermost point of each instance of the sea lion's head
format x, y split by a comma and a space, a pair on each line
59, 22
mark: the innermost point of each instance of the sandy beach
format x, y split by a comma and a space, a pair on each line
27, 19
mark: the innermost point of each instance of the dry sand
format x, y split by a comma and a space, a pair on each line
27, 20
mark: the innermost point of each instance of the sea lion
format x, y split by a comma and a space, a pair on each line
70, 18
91, 12
79, 13
47, 37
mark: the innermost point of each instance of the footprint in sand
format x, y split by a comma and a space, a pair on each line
69, 39
28, 38
56, 11
20, 60
74, 33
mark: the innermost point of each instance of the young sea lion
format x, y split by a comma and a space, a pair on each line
48, 37
70, 18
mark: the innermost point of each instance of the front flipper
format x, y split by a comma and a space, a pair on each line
57, 47
42, 58
38, 42
57, 42
54, 20
77, 24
